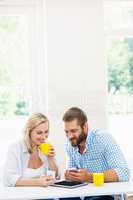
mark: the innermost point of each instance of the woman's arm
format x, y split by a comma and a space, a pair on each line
12, 167
42, 181
53, 166
52, 161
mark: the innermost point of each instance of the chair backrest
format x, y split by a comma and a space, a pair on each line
130, 164
1, 175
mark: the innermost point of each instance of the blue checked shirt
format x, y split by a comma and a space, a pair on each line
101, 153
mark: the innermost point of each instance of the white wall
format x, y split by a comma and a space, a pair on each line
75, 62
72, 41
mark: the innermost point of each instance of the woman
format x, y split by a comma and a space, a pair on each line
26, 165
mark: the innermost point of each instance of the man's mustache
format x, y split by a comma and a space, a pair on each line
72, 139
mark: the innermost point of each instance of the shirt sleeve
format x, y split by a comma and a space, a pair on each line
11, 169
115, 159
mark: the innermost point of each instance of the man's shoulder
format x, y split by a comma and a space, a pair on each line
99, 135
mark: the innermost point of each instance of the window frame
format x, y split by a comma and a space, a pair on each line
37, 44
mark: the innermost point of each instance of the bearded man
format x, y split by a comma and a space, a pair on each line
91, 151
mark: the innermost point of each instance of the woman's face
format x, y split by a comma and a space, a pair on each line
39, 134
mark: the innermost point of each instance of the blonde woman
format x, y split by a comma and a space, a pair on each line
25, 164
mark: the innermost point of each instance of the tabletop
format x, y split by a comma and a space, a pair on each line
24, 193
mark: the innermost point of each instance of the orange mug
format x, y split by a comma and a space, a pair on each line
44, 148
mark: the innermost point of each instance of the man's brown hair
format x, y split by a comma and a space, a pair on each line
75, 113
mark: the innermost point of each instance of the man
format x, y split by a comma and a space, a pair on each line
90, 150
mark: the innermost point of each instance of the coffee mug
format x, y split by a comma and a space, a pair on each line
98, 179
44, 148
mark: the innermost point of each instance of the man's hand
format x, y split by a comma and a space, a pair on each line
81, 175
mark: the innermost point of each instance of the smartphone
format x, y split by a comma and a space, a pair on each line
73, 170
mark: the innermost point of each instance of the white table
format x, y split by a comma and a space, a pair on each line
21, 193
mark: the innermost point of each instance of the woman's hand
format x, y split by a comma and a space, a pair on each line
51, 153
46, 180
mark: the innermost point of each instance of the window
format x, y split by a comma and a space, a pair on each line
22, 66
14, 66
118, 17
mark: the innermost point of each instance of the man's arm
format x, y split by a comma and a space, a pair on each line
119, 170
84, 176
109, 176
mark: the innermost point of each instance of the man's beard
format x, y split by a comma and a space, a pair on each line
76, 141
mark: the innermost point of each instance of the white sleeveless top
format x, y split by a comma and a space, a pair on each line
34, 173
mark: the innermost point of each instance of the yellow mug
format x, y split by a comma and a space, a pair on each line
98, 179
44, 148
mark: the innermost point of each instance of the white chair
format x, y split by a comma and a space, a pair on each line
1, 175
129, 196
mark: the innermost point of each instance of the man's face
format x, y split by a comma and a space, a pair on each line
75, 133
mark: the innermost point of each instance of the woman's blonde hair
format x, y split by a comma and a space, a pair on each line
35, 120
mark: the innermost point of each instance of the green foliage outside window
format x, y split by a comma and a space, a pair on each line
120, 76
13, 100
120, 67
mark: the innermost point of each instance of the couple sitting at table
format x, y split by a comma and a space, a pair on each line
89, 150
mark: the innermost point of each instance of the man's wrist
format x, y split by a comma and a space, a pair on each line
90, 177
